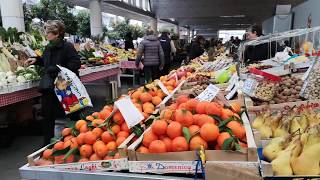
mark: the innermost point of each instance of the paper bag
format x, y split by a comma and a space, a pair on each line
71, 93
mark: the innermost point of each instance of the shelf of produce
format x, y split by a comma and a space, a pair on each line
100, 75
18, 96
29, 173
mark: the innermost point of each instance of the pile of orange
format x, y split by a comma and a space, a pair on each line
201, 120
93, 139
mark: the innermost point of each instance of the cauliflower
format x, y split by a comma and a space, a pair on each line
21, 79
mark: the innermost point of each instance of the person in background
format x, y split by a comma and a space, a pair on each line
57, 52
237, 41
128, 42
197, 47
153, 54
169, 50
259, 52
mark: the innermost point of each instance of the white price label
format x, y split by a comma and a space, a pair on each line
234, 78
130, 113
209, 93
163, 88
249, 86
98, 54
232, 92
306, 74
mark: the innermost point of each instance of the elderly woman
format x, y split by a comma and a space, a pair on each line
57, 52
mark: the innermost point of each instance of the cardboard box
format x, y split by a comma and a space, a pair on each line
216, 156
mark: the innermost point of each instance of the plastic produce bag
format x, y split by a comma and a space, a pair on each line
70, 91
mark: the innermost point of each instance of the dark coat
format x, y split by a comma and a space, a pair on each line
63, 54
195, 51
166, 46
151, 48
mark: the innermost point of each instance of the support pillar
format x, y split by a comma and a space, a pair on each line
95, 17
178, 30
188, 35
192, 34
154, 25
12, 14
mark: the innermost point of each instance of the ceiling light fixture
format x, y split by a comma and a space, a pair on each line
234, 16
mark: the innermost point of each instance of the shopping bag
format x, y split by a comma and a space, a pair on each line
71, 93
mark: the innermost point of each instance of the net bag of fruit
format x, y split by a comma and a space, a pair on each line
70, 92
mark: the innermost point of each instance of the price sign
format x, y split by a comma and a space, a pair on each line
98, 54
163, 88
209, 93
232, 92
234, 78
249, 86
130, 113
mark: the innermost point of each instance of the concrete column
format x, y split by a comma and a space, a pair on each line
154, 25
192, 33
188, 36
140, 4
95, 17
12, 14
178, 30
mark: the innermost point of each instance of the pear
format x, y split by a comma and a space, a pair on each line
259, 120
275, 121
265, 131
295, 125
307, 163
304, 123
271, 150
282, 129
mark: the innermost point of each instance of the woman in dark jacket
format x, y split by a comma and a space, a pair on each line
57, 52
197, 47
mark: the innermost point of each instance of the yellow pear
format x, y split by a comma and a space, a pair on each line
259, 120
295, 125
271, 150
307, 163
282, 129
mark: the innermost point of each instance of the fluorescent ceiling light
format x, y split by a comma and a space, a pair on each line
234, 16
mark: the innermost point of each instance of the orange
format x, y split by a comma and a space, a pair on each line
124, 127
209, 132
143, 149
136, 94
157, 146
222, 137
179, 144
97, 122
80, 138
226, 113
80, 123
173, 106
112, 146
203, 119
196, 143
161, 94
58, 146
47, 154
166, 114
201, 107
97, 131
71, 142
148, 137
70, 159
118, 118
182, 106
213, 108
96, 144
90, 138
182, 99
59, 159
117, 156
84, 128
108, 107
86, 150
115, 129
66, 131
148, 107
90, 118
67, 138
156, 100
236, 107
168, 142
120, 140
193, 129
145, 97
159, 127
123, 134
174, 129
95, 157
83, 160
237, 129
101, 150
184, 117
145, 115
106, 137
105, 113
192, 104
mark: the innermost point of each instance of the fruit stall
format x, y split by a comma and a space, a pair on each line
216, 119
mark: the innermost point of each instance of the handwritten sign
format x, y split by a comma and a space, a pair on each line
234, 78
163, 88
209, 93
249, 85
232, 92
130, 113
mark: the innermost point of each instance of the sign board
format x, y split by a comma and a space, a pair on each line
209, 93
129, 111
234, 78
163, 88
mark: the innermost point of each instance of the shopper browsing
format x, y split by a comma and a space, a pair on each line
168, 49
197, 47
57, 52
153, 54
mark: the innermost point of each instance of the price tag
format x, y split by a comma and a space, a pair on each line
232, 92
306, 74
234, 78
249, 86
130, 113
98, 54
163, 88
209, 93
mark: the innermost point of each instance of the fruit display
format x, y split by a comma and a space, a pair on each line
91, 139
121, 53
265, 91
188, 124
295, 154
311, 87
